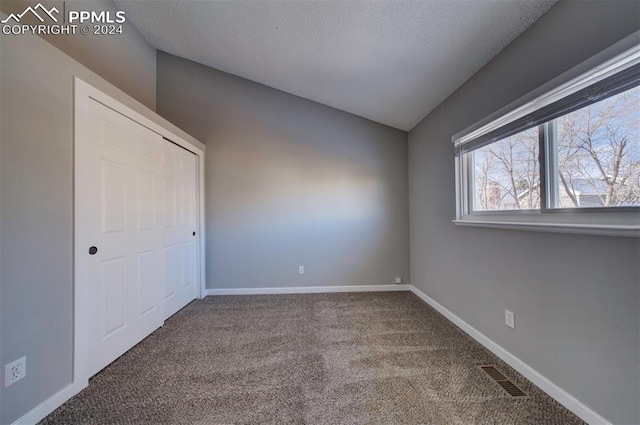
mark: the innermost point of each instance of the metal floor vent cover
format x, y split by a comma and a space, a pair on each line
503, 381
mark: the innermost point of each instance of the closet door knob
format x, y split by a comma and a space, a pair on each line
93, 250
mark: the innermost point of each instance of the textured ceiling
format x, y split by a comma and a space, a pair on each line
390, 61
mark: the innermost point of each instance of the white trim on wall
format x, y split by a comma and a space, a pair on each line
41, 411
308, 289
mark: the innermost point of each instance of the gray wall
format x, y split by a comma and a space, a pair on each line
128, 60
36, 198
290, 182
576, 297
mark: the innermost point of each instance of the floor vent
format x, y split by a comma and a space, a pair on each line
503, 381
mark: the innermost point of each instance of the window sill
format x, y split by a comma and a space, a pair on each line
585, 229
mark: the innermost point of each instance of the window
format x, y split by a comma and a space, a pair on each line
567, 160
596, 154
506, 174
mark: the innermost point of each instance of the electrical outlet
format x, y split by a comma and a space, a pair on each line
510, 319
15, 371
300, 269
398, 280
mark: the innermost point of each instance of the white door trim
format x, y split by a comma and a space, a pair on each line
83, 93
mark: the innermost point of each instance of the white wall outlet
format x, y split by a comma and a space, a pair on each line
398, 280
300, 269
510, 319
15, 371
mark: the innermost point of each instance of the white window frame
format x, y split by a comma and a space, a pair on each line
616, 221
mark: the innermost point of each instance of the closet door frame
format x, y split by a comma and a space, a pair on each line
83, 94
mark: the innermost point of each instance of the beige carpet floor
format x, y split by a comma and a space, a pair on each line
351, 358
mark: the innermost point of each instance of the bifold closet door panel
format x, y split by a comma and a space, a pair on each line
179, 247
126, 263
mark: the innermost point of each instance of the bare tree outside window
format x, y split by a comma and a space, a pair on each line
598, 153
507, 174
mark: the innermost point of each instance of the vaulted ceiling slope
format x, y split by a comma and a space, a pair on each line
392, 61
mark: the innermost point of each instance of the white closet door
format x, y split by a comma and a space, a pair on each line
179, 226
143, 198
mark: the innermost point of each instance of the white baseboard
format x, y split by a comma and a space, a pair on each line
41, 411
308, 289
554, 391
